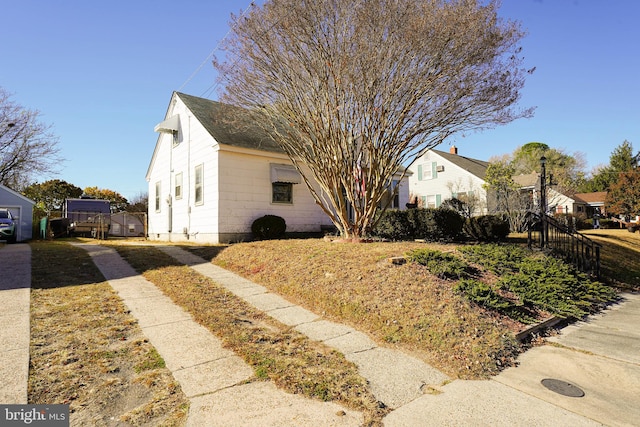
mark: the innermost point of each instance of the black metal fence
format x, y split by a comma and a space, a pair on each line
575, 247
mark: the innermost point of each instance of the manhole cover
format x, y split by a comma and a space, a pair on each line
562, 387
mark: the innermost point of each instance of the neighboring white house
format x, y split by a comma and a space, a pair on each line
213, 173
438, 176
21, 209
559, 203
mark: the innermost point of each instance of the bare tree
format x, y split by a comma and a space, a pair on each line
139, 203
27, 147
353, 89
505, 196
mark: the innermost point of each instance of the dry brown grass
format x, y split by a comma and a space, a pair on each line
79, 356
401, 306
88, 352
620, 256
275, 351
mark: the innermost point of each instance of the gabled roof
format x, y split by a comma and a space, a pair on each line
228, 124
527, 180
473, 166
16, 194
596, 197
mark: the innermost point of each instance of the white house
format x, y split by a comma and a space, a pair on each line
213, 173
21, 209
559, 203
438, 176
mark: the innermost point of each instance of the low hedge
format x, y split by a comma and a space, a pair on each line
269, 227
486, 228
428, 224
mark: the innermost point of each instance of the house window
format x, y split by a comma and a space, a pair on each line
157, 199
178, 186
391, 197
432, 201
427, 171
282, 192
395, 185
199, 188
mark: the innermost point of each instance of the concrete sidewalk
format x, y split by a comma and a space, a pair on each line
213, 378
15, 288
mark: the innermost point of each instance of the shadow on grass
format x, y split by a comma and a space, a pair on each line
56, 264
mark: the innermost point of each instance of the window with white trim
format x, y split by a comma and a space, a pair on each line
199, 185
178, 186
157, 196
427, 171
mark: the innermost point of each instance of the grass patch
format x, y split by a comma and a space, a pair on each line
85, 347
275, 351
151, 360
619, 256
403, 306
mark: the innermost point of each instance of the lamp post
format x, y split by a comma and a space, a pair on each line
543, 201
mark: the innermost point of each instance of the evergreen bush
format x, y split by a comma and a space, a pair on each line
428, 224
394, 225
443, 265
268, 227
486, 228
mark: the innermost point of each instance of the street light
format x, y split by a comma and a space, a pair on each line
543, 201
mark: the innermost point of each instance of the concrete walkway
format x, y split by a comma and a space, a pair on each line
15, 288
394, 377
213, 378
600, 357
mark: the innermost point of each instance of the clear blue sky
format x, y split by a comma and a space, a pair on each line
102, 74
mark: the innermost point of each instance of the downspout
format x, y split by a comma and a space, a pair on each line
188, 176
169, 204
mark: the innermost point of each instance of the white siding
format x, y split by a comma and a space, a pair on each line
194, 147
236, 185
245, 195
427, 182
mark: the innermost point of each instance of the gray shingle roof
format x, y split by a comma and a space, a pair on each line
473, 166
228, 124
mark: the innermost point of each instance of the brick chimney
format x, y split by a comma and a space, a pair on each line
453, 149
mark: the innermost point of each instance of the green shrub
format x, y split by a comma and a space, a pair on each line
429, 224
577, 221
457, 205
556, 287
449, 224
486, 228
484, 295
539, 280
497, 258
443, 265
608, 223
268, 227
394, 225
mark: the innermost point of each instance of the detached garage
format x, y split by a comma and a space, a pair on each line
21, 209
